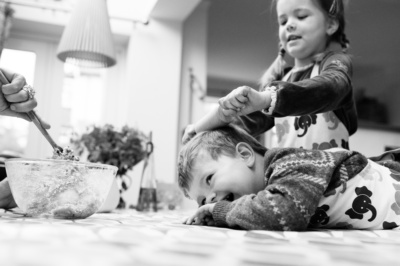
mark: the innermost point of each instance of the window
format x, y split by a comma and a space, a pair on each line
82, 100
14, 132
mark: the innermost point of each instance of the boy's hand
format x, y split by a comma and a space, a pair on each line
244, 100
202, 216
6, 198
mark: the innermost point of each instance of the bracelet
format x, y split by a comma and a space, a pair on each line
270, 109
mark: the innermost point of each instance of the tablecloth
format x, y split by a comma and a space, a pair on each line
129, 237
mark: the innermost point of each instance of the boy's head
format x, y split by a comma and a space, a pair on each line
224, 163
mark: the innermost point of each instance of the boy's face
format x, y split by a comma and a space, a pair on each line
227, 178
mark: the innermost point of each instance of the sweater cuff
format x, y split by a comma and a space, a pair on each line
219, 213
270, 109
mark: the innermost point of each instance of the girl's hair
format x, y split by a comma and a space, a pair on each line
335, 10
216, 142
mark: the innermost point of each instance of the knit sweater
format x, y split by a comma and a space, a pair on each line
296, 179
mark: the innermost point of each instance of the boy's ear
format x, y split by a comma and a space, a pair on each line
246, 153
333, 25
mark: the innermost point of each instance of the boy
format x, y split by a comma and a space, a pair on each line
238, 183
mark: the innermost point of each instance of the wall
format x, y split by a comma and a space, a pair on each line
242, 41
194, 57
153, 67
372, 142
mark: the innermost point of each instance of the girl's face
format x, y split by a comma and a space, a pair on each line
304, 29
227, 178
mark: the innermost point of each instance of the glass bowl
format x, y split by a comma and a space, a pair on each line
59, 188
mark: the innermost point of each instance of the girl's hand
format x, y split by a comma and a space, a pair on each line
244, 100
189, 133
6, 198
202, 216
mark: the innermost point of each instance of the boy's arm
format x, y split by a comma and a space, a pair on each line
297, 179
284, 206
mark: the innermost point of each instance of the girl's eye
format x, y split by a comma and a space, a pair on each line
302, 17
282, 22
208, 179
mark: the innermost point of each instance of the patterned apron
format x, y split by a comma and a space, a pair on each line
369, 200
317, 131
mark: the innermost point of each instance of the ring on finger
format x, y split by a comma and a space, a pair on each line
31, 92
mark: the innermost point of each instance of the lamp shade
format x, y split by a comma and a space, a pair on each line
87, 39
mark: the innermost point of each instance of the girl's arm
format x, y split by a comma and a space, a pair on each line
330, 90
213, 119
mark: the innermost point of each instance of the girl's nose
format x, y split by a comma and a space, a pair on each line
211, 198
290, 26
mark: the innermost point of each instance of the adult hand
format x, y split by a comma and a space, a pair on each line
14, 100
202, 216
6, 198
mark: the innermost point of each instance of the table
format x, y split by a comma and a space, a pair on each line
129, 237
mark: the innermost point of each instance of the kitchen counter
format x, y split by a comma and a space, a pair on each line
128, 237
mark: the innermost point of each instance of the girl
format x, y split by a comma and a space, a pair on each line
310, 104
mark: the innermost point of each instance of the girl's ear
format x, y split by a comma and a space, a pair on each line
333, 25
246, 153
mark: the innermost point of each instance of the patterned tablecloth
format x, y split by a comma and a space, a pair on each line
133, 238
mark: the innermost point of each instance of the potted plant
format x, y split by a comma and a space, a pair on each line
105, 144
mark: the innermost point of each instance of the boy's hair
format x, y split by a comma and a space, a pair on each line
334, 9
219, 141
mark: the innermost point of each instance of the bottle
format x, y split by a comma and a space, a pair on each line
148, 185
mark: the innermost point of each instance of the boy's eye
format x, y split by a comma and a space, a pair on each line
208, 179
203, 202
302, 17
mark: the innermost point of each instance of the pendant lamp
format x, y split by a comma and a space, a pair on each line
87, 39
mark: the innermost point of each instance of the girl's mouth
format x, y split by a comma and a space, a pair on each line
293, 38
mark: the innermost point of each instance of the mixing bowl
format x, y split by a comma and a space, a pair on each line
59, 188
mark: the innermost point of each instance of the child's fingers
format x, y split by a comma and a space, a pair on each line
240, 98
198, 221
243, 91
190, 220
229, 112
230, 103
184, 221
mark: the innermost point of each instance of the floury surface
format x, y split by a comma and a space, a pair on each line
129, 237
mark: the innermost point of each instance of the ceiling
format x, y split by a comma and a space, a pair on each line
49, 17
